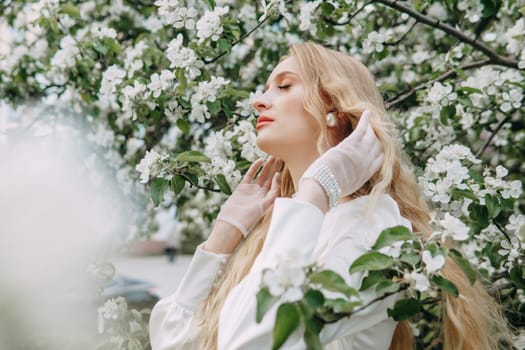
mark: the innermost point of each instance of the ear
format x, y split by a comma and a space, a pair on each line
342, 130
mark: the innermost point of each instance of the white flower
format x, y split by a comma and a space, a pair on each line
418, 280
433, 264
374, 42
183, 57
112, 77
441, 94
286, 280
65, 57
501, 171
160, 82
103, 32
209, 25
455, 228
144, 167
512, 190
516, 222
306, 14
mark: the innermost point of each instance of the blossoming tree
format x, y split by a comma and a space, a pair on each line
165, 88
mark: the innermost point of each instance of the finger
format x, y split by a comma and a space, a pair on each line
275, 190
250, 174
266, 172
362, 125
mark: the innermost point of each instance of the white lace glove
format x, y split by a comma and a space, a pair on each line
247, 204
344, 168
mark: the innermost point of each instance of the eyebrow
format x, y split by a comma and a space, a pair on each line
278, 76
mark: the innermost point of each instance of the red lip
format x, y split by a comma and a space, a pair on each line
263, 120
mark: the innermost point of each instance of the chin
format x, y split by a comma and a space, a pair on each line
268, 145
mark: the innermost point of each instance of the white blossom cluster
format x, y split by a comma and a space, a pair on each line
149, 165
111, 79
173, 13
306, 14
183, 57
206, 91
515, 38
473, 9
209, 25
287, 279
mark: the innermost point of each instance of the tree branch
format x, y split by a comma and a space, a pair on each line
244, 36
395, 43
492, 135
332, 22
494, 57
450, 74
373, 301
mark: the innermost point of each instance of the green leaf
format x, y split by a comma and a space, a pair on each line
177, 183
220, 179
470, 90
387, 286
230, 91
70, 9
327, 8
158, 187
211, 3
517, 276
332, 281
312, 330
340, 305
214, 107
464, 265
446, 285
264, 302
493, 205
183, 125
314, 299
224, 45
459, 194
193, 156
404, 309
446, 114
373, 277
391, 235
286, 321
371, 261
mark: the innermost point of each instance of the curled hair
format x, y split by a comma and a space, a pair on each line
334, 81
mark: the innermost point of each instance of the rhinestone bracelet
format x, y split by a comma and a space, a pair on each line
323, 175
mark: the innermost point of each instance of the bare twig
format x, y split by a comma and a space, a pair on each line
332, 22
244, 36
394, 43
197, 185
449, 74
495, 58
373, 301
492, 135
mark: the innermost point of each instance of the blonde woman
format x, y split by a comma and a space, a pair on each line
338, 173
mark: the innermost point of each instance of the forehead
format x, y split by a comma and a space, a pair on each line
287, 65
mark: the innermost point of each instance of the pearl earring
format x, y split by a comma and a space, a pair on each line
331, 120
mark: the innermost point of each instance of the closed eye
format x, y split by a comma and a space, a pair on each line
284, 87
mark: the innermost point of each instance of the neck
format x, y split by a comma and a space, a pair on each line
297, 167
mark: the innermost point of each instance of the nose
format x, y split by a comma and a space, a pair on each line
261, 103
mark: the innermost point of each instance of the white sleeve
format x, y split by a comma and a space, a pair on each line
296, 226
172, 323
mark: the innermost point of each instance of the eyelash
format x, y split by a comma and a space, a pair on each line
284, 87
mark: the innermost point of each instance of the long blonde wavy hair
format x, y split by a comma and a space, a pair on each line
335, 81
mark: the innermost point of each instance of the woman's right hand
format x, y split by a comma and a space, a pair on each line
353, 161
246, 205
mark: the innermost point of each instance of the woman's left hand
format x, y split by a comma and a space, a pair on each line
253, 195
